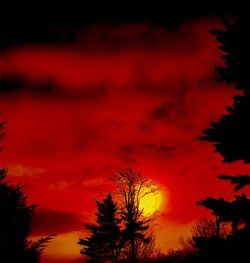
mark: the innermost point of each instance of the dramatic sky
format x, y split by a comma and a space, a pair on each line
107, 96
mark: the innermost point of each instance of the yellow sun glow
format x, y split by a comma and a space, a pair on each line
151, 203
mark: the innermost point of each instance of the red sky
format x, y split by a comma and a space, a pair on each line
121, 96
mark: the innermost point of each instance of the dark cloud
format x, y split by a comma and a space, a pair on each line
155, 59
47, 221
163, 112
150, 145
127, 148
11, 84
159, 147
44, 23
165, 148
20, 85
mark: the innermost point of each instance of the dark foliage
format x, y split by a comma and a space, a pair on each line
239, 181
16, 223
230, 134
231, 139
235, 44
132, 186
15, 226
104, 243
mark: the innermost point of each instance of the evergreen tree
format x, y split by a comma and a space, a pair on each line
230, 135
231, 139
15, 225
104, 243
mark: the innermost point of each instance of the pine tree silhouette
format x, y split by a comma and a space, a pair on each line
104, 243
231, 139
15, 225
230, 134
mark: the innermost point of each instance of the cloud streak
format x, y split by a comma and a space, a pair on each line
47, 221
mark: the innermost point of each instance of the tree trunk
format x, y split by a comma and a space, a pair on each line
133, 256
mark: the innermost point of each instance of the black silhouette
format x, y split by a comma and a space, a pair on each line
239, 180
234, 245
104, 243
231, 139
16, 223
132, 187
230, 134
227, 239
235, 45
121, 233
15, 226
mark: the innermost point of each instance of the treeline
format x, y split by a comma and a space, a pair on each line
121, 233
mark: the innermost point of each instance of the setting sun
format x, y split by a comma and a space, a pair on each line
151, 203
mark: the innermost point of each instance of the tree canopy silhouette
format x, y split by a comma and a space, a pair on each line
235, 44
132, 187
231, 138
15, 225
104, 243
121, 232
230, 135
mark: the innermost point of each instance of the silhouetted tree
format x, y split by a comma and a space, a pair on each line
197, 247
145, 251
234, 42
231, 138
132, 187
15, 225
230, 134
239, 181
104, 243
204, 228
